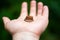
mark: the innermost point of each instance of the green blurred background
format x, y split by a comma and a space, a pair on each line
12, 8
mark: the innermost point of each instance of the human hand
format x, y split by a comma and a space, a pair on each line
37, 26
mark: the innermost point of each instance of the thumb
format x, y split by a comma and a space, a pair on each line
5, 20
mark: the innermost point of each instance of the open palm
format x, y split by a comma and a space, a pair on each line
37, 26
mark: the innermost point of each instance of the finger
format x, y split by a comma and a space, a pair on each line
33, 8
45, 11
5, 20
24, 10
40, 8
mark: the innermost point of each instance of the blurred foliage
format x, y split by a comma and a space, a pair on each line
12, 8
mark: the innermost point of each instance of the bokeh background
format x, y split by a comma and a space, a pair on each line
12, 9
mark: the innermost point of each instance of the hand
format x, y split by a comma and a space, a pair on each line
37, 26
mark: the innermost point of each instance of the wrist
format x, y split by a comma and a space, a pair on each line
25, 36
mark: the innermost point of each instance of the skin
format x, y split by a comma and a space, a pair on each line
18, 27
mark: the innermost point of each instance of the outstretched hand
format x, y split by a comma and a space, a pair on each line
37, 26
